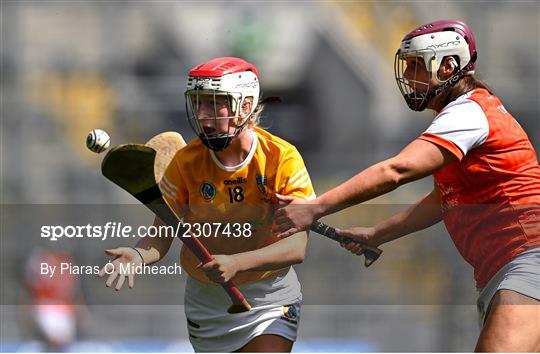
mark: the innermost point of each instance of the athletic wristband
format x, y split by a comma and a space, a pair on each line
140, 255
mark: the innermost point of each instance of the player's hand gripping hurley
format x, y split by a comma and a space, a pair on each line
371, 253
138, 169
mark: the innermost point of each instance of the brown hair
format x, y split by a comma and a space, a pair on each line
467, 83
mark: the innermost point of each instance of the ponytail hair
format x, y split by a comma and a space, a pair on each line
468, 83
255, 118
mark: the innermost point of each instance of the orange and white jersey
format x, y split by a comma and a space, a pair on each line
490, 197
199, 187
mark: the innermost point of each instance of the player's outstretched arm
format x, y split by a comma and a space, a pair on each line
423, 214
280, 254
419, 159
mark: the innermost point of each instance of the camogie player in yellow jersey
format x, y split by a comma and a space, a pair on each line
224, 184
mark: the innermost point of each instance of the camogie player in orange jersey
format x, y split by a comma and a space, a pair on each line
223, 184
487, 184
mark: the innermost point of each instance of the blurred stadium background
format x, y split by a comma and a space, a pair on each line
69, 67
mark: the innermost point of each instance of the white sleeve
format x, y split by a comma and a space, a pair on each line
463, 122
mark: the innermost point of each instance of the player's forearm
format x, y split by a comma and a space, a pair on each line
417, 160
280, 254
368, 184
425, 213
153, 249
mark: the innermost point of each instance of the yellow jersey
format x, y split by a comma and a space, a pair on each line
231, 209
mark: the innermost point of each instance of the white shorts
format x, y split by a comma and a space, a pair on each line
522, 275
275, 310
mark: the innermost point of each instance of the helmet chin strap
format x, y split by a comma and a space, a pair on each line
221, 141
413, 98
216, 143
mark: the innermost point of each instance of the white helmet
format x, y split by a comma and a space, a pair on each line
231, 77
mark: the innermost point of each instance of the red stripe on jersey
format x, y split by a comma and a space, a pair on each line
442, 142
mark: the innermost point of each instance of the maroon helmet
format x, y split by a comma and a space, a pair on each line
432, 43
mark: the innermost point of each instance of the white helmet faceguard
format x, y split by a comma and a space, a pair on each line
234, 86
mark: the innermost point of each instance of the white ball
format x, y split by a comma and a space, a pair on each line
98, 141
